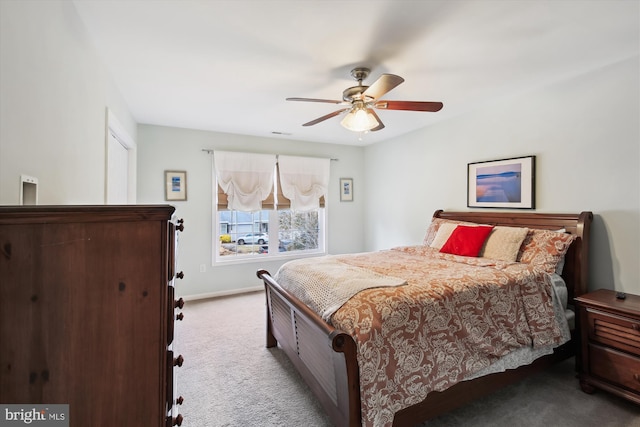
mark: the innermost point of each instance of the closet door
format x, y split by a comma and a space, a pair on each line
117, 171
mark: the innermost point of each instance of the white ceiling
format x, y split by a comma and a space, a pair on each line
228, 66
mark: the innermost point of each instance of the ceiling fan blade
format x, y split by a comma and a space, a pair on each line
380, 126
329, 101
384, 84
409, 105
323, 118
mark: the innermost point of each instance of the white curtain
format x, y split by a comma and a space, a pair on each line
304, 180
246, 178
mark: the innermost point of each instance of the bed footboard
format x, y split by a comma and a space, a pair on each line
325, 357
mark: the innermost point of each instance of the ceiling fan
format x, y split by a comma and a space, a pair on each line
360, 102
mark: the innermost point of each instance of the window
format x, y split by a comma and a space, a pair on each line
280, 226
266, 233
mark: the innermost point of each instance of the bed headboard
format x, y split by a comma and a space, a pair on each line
576, 267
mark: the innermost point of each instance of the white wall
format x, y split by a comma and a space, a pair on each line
585, 132
165, 148
54, 92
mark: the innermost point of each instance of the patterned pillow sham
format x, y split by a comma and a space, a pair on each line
545, 249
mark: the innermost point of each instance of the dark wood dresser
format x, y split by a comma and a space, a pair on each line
610, 343
87, 312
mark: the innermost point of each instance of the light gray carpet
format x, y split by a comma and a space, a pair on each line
229, 378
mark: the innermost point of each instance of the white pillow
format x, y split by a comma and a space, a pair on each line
443, 234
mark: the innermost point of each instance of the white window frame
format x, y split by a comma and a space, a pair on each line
273, 254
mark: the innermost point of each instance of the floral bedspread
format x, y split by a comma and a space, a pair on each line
454, 317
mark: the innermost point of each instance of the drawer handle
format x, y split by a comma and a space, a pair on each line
179, 303
180, 275
177, 421
180, 400
179, 316
178, 361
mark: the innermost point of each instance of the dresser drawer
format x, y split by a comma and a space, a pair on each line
615, 331
614, 366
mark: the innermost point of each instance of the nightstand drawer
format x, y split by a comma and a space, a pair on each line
614, 366
619, 332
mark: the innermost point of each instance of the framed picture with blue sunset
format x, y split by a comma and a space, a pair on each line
505, 183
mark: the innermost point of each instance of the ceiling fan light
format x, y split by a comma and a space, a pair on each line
360, 120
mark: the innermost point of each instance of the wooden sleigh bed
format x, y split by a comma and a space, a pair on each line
327, 358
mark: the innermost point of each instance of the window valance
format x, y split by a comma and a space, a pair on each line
304, 180
245, 178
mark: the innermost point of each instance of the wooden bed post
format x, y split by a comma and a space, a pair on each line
583, 230
271, 340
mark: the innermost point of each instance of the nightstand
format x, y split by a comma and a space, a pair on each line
609, 356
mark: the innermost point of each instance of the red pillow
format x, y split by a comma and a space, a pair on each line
466, 240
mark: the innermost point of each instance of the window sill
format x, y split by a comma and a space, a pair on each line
262, 258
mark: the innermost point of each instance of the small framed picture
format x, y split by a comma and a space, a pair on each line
507, 183
346, 189
175, 185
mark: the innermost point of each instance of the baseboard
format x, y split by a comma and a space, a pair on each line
221, 293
